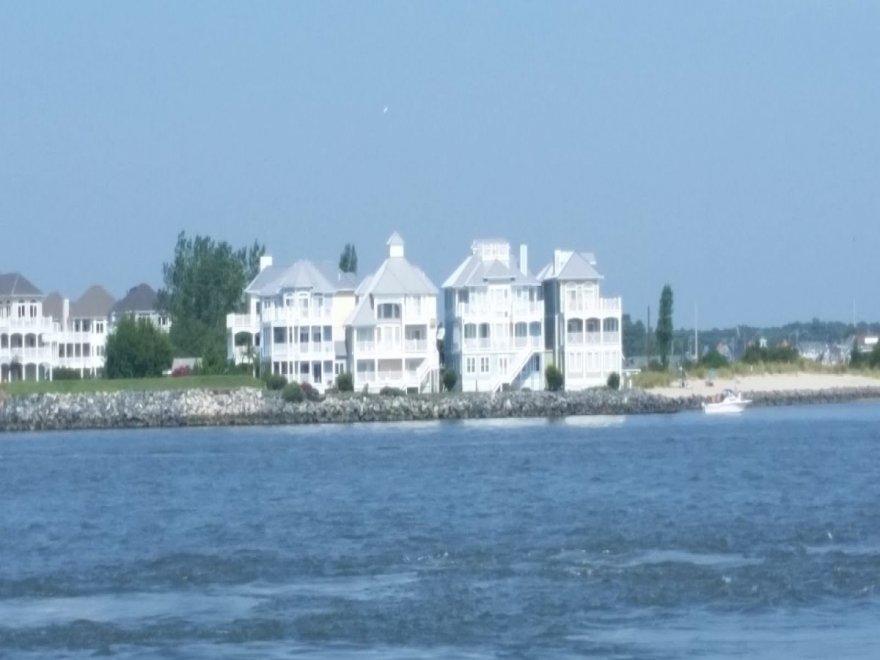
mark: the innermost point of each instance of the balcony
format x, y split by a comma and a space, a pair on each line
28, 325
242, 323
415, 345
294, 315
598, 307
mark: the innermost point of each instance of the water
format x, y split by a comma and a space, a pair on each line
640, 537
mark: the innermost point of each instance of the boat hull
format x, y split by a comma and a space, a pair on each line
725, 407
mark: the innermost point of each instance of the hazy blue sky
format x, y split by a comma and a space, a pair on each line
731, 149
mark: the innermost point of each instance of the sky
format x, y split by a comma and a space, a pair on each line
729, 149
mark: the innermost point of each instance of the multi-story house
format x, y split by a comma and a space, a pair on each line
141, 302
83, 326
27, 336
582, 328
494, 320
295, 321
391, 333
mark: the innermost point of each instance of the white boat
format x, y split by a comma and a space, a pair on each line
729, 402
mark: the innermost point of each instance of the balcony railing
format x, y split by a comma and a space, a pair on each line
28, 325
243, 321
504, 311
505, 343
597, 306
415, 345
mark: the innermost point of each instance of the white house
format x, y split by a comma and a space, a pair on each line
582, 328
295, 321
391, 333
83, 327
494, 320
27, 336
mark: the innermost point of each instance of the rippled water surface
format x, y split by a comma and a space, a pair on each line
639, 537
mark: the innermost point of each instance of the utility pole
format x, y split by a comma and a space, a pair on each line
648, 338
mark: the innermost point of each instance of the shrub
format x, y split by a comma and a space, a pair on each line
293, 393
714, 360
64, 373
555, 379
614, 380
137, 349
449, 378
391, 391
344, 382
310, 392
275, 382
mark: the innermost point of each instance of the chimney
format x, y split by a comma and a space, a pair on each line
524, 259
65, 312
265, 262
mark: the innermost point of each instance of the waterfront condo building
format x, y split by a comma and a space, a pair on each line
27, 335
82, 329
582, 328
294, 321
391, 333
494, 320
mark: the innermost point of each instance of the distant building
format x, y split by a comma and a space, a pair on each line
494, 320
141, 302
27, 335
294, 321
582, 329
391, 335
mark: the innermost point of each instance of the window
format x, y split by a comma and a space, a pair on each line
303, 335
470, 365
316, 334
388, 311
484, 365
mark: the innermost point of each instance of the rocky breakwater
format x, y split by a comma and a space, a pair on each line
254, 406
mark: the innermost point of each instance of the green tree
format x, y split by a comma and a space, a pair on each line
633, 337
348, 260
137, 349
663, 333
203, 283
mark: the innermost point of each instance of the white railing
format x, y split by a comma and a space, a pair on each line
598, 306
26, 355
414, 345
519, 363
530, 308
243, 321
295, 350
611, 337
28, 325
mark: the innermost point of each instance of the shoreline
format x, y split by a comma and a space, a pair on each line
257, 407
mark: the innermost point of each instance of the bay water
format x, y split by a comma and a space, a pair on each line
663, 536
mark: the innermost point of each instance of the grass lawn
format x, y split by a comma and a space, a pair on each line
132, 384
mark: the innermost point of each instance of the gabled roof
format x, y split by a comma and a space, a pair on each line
362, 315
573, 266
16, 284
395, 277
141, 298
317, 277
53, 306
95, 303
474, 271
